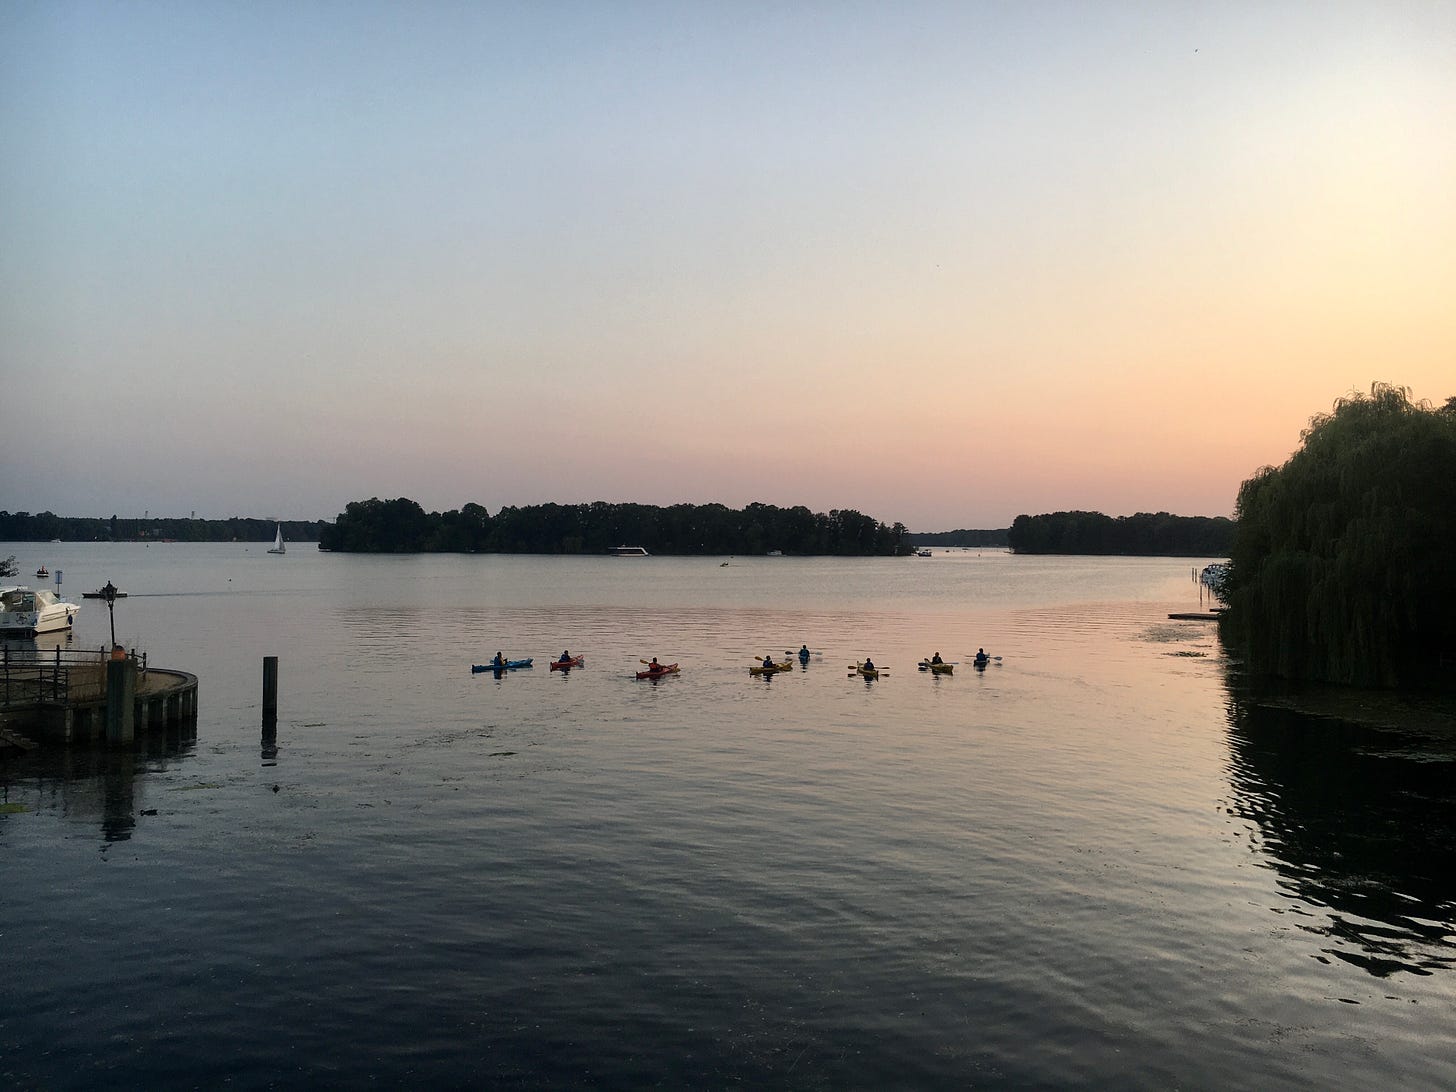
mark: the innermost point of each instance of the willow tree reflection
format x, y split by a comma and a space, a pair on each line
1358, 818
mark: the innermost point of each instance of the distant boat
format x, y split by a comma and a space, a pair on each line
628, 551
278, 542
42, 572
924, 552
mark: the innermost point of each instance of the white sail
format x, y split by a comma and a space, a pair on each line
278, 542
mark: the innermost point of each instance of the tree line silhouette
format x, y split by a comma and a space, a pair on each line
45, 526
1145, 534
402, 526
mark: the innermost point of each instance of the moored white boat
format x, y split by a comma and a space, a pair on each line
628, 551
23, 612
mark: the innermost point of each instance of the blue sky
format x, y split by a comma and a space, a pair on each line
943, 263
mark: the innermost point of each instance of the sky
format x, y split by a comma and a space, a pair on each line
942, 263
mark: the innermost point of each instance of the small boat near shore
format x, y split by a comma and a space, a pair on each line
24, 612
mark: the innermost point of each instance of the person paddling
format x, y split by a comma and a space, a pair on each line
804, 654
981, 657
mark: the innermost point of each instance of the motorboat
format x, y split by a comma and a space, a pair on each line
628, 551
43, 572
24, 612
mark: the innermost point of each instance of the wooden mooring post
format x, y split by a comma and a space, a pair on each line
270, 690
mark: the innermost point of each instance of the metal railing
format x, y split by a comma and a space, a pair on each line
54, 676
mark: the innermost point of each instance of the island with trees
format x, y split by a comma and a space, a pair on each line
1145, 534
1341, 566
402, 526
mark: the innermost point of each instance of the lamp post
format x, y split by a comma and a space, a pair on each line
108, 593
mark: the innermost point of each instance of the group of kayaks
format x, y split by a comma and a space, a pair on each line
500, 664
768, 666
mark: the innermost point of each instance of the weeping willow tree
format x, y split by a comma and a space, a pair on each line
1343, 567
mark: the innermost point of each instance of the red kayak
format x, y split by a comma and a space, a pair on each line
658, 672
564, 665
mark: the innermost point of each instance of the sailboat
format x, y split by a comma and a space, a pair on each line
278, 542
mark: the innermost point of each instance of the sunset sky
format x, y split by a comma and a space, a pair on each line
942, 263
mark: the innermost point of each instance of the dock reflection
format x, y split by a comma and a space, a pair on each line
101, 785
1358, 818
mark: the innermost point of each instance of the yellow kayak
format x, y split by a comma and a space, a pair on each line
773, 669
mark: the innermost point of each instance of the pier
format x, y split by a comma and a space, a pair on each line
74, 696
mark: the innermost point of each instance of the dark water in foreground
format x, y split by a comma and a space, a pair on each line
1103, 863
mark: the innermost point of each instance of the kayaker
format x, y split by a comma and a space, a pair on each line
936, 659
981, 657
500, 659
868, 665
654, 665
804, 654
565, 656
768, 662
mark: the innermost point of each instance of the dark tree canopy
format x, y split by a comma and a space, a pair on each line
1341, 569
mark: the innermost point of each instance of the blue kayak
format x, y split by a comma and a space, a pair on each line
509, 665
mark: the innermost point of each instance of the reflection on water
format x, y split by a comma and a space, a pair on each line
1358, 819
101, 785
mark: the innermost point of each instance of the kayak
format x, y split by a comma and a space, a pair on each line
567, 665
509, 665
771, 669
658, 672
867, 672
937, 669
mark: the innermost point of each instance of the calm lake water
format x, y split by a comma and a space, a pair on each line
1103, 862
